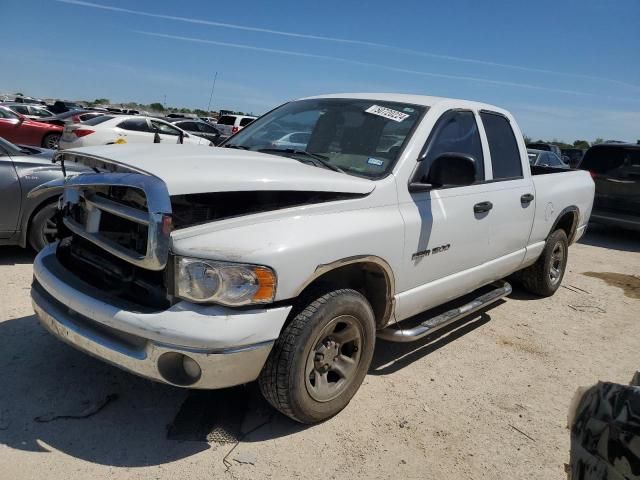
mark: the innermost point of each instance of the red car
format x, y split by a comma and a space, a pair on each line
19, 129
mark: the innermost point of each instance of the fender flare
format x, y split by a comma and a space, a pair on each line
574, 226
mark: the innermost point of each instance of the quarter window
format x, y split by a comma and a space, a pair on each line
455, 132
505, 155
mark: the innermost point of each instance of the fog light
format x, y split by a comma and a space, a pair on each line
191, 367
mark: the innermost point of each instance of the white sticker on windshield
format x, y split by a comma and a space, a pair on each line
385, 112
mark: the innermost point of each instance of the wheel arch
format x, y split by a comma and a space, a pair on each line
368, 274
567, 220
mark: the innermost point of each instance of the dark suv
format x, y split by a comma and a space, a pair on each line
615, 169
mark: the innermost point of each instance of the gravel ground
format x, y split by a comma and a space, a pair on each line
488, 398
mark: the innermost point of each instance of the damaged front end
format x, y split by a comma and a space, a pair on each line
194, 209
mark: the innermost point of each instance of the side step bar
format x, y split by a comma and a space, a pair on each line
502, 289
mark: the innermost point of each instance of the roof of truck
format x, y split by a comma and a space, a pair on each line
414, 99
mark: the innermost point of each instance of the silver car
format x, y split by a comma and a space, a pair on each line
24, 220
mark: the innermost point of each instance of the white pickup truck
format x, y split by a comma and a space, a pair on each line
207, 268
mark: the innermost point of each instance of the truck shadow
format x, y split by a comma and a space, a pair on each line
391, 357
16, 255
56, 398
611, 238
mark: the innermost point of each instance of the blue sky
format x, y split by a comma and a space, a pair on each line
567, 68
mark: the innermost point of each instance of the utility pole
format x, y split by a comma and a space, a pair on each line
165, 101
215, 77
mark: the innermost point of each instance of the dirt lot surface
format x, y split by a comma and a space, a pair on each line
488, 398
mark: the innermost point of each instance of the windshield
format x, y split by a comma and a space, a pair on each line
359, 137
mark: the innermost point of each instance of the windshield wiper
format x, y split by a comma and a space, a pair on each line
318, 158
239, 147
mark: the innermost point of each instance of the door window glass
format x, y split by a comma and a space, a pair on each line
455, 132
134, 124
164, 128
505, 155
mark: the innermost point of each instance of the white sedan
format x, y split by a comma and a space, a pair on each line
115, 129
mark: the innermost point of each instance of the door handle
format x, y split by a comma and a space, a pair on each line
526, 198
482, 207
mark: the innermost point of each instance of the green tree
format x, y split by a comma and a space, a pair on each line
581, 144
19, 94
527, 138
597, 141
157, 106
101, 101
185, 110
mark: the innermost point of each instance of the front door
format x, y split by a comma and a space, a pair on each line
446, 238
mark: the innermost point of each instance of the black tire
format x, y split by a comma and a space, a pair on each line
545, 276
298, 379
41, 228
50, 140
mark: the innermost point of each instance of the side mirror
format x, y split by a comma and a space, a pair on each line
450, 169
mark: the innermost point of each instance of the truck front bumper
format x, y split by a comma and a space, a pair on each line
188, 345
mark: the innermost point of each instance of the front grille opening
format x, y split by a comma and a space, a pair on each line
112, 275
128, 234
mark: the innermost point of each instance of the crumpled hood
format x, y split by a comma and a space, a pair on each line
190, 169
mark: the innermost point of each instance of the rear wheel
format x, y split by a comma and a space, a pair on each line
43, 228
50, 140
321, 358
545, 276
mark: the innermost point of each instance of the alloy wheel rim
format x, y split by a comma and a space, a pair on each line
49, 230
557, 260
52, 141
332, 363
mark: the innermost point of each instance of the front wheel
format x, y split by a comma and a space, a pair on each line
43, 229
545, 276
321, 358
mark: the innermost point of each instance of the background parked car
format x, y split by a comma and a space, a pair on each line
29, 110
295, 140
19, 129
27, 220
197, 127
615, 169
110, 129
548, 147
72, 116
60, 106
30, 100
574, 155
543, 158
229, 124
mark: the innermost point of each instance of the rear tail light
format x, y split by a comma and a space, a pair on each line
234, 129
593, 174
82, 132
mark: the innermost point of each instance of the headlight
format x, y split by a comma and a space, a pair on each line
233, 284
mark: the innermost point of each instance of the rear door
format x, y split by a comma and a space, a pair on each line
135, 130
10, 195
616, 172
512, 195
